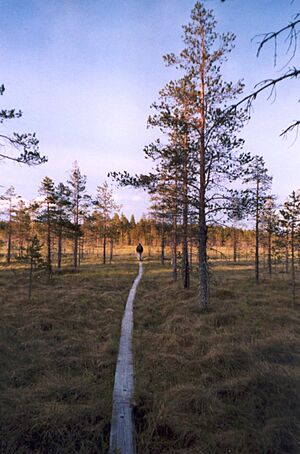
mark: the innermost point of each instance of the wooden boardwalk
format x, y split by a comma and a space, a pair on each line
121, 433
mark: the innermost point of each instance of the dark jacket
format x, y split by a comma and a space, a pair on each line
139, 248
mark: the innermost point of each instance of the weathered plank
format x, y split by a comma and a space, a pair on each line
121, 433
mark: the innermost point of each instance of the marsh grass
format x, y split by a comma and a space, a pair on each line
224, 381
58, 355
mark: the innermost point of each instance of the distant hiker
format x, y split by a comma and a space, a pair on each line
139, 250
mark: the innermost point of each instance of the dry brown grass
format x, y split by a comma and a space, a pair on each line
225, 381
58, 356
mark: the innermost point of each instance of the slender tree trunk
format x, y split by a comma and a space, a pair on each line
191, 255
162, 254
293, 262
79, 251
185, 252
49, 260
203, 272
174, 245
30, 279
22, 247
234, 244
175, 230
298, 246
264, 251
162, 234
75, 251
59, 248
8, 257
287, 253
82, 248
104, 243
270, 252
257, 233
104, 250
111, 243
76, 234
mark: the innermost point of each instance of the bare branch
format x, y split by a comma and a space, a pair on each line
291, 28
264, 85
290, 128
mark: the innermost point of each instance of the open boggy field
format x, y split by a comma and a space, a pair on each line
221, 381
224, 381
58, 355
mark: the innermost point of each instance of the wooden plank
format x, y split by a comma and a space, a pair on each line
121, 433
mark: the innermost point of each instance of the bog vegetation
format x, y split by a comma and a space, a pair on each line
216, 333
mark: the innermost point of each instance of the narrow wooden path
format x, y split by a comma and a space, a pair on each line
121, 433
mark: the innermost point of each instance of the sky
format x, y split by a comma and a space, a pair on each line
85, 72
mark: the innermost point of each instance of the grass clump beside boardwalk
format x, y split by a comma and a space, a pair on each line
225, 381
58, 355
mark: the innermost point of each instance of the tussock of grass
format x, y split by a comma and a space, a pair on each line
224, 381
58, 356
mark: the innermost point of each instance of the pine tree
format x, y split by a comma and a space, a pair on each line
257, 173
270, 223
63, 216
22, 223
47, 215
105, 206
11, 197
290, 220
203, 149
214, 135
34, 257
79, 200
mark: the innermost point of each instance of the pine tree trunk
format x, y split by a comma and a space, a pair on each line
270, 252
175, 232
185, 252
82, 248
203, 272
76, 237
162, 251
30, 279
191, 255
185, 264
49, 261
234, 244
257, 233
59, 250
79, 251
8, 257
162, 255
174, 248
298, 247
287, 254
75, 250
293, 262
111, 250
104, 249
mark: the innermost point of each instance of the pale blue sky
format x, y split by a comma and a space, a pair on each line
84, 73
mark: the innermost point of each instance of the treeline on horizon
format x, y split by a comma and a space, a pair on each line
66, 225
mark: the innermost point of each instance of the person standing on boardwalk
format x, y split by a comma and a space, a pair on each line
139, 250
